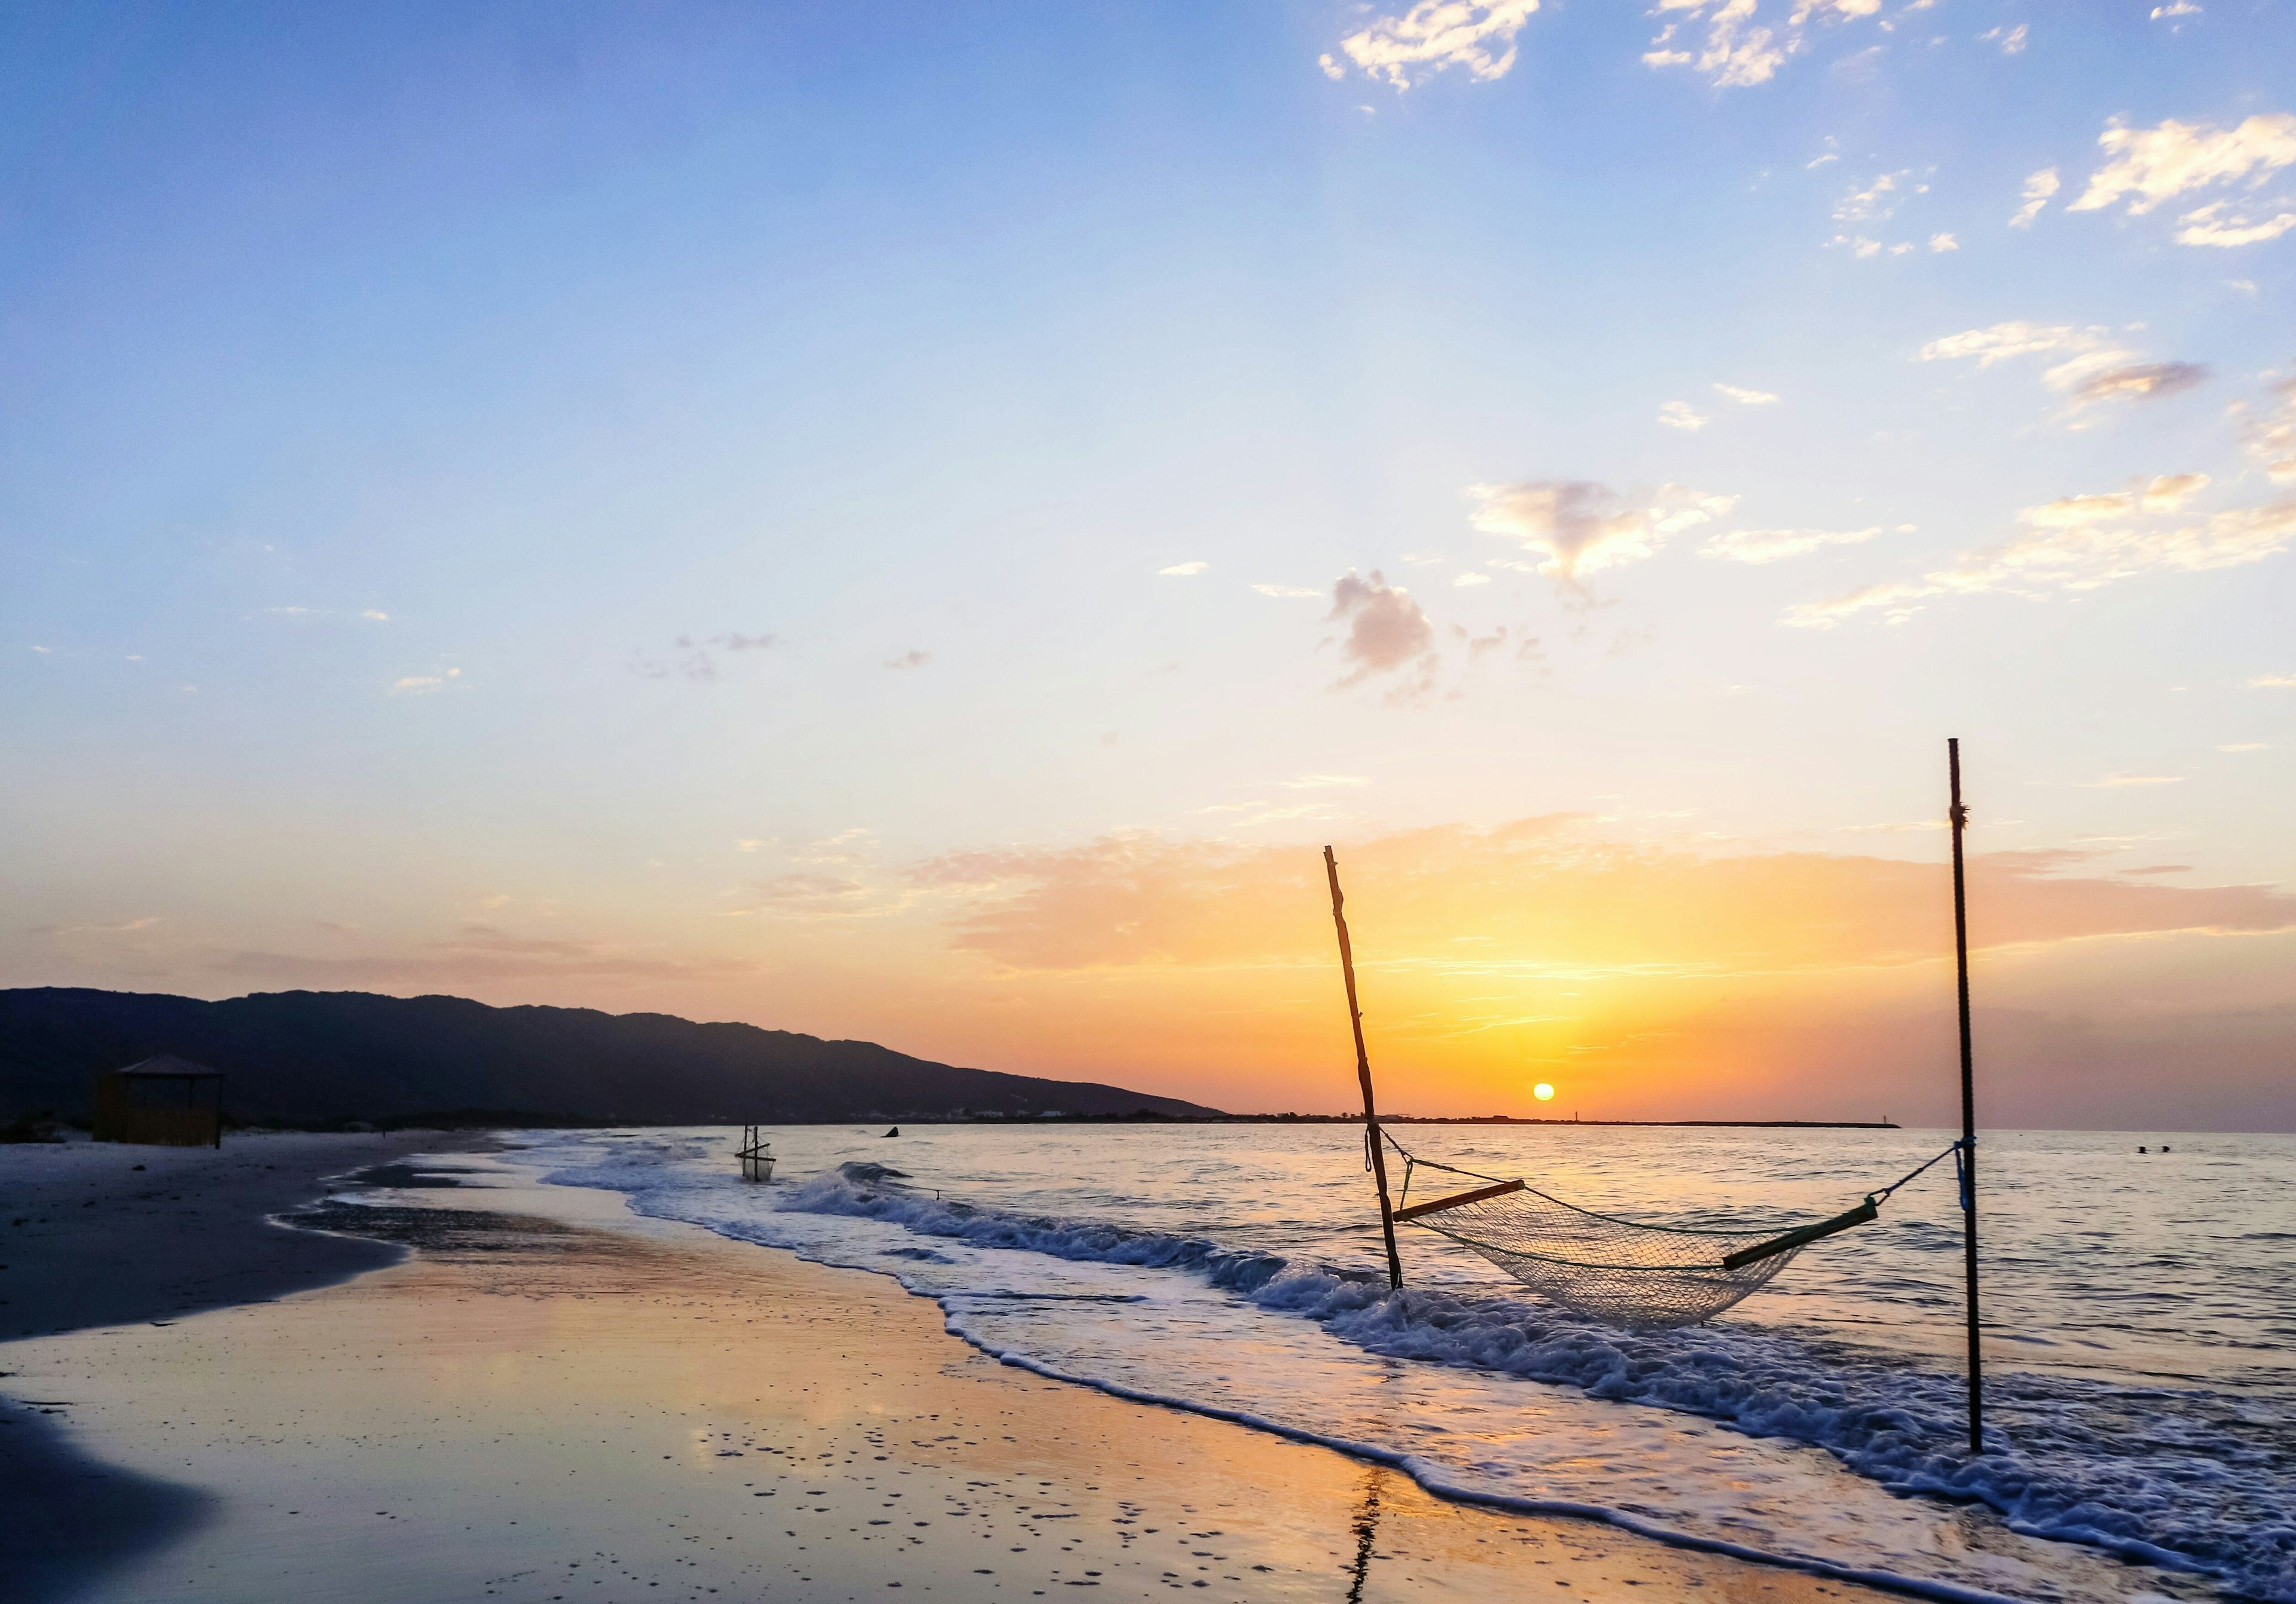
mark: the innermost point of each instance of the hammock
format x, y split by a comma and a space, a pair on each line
1646, 1277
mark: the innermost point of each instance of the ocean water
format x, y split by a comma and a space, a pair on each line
2140, 1330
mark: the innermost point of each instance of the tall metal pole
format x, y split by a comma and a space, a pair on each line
1371, 1143
1960, 817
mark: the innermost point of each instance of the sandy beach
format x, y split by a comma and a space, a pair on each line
549, 1399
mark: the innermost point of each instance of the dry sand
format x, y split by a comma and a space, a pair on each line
552, 1400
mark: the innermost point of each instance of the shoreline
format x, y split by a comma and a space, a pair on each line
501, 1304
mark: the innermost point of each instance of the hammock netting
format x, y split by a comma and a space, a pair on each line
1621, 1271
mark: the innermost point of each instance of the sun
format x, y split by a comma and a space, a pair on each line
1543, 1091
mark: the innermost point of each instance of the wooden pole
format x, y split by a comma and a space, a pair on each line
1960, 817
1371, 1143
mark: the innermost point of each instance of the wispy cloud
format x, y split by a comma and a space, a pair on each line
1940, 244
2270, 440
2271, 682
1287, 590
1747, 398
377, 614
1432, 37
2114, 782
1181, 570
2094, 367
1758, 546
910, 660
2080, 543
1552, 894
2039, 189
1579, 527
1679, 415
2217, 224
1317, 782
2012, 40
422, 684
691, 657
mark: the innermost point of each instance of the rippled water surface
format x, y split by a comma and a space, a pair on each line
2140, 1324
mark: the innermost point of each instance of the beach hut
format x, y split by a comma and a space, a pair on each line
161, 1102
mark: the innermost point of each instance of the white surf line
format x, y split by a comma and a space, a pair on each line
1429, 1476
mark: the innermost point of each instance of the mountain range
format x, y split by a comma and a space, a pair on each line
313, 1057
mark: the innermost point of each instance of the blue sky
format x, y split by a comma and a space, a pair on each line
525, 502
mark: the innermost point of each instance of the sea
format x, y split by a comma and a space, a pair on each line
2139, 1334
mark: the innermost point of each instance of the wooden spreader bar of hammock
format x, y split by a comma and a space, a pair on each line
1860, 1215
1436, 1205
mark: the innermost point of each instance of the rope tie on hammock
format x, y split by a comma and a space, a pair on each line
1645, 1277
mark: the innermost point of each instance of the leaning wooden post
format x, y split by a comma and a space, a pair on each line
1960, 817
1371, 1143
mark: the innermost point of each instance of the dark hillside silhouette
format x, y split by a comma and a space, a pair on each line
308, 1057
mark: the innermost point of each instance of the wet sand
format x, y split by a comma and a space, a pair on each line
552, 1400
98, 1233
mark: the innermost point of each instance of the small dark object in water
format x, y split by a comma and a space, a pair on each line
864, 1173
2164, 1147
2140, 1149
896, 1131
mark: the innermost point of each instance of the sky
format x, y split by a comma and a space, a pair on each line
918, 523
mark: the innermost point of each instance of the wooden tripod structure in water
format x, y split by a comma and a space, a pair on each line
1372, 1146
757, 1158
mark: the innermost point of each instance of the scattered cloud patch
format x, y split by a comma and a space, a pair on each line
1748, 398
910, 660
2039, 189
2012, 40
2151, 166
1433, 36
1879, 201
2183, 8
1941, 243
2246, 746
415, 684
1473, 579
1579, 527
2095, 368
1737, 52
1181, 570
2114, 782
2272, 682
1387, 630
1679, 415
1290, 590
377, 614
1763, 545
